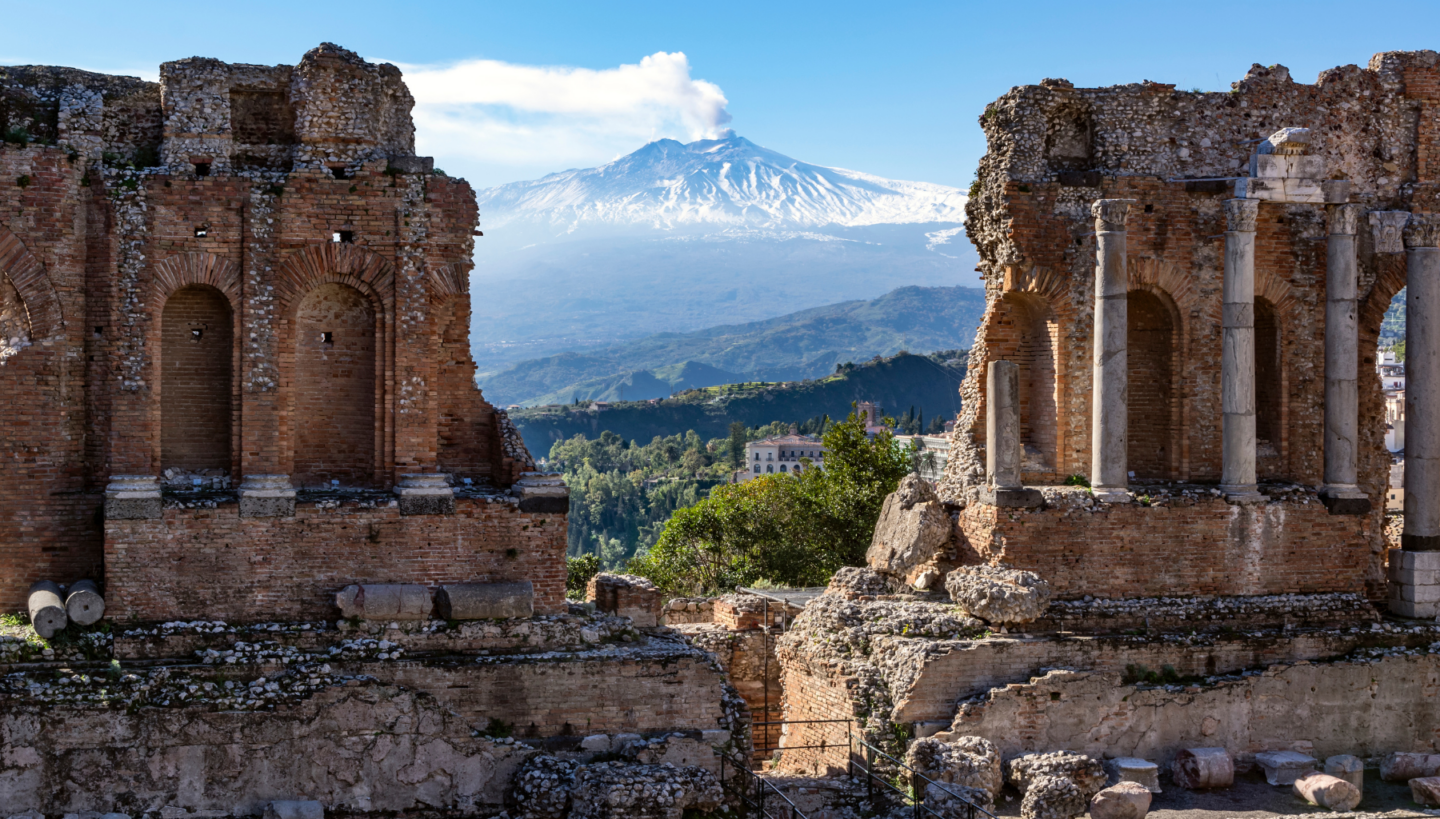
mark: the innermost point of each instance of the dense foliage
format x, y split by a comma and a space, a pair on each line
621, 493
792, 530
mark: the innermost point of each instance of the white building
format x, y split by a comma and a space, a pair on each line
782, 454
933, 452
1395, 421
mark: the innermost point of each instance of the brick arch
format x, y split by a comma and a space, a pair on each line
1181, 289
1179, 296
337, 263
27, 275
185, 269
446, 282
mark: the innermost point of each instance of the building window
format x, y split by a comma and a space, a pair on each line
782, 467
757, 469
770, 469
757, 457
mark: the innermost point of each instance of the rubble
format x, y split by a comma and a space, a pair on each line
1053, 797
998, 595
1125, 800
969, 762
1088, 774
912, 537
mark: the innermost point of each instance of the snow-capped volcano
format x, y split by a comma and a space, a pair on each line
729, 182
677, 237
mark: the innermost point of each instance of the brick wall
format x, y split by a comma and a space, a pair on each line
195, 386
334, 391
212, 563
1206, 548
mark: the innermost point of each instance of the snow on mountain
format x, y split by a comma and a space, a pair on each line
719, 183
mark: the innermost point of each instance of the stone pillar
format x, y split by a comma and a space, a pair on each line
266, 496
1237, 362
1003, 485
1415, 567
425, 494
1109, 414
133, 497
1342, 494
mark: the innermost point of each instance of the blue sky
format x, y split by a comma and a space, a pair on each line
887, 88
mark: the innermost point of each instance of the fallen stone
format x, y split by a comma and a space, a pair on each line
486, 601
912, 536
1426, 790
1125, 800
1052, 797
851, 582
998, 595
1284, 767
47, 609
1131, 769
385, 601
1200, 768
626, 595
1403, 767
596, 743
969, 762
623, 790
951, 801
1327, 791
1349, 768
294, 809
1088, 774
83, 603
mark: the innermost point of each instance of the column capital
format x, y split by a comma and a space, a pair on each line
1110, 214
1386, 226
1422, 230
1241, 214
1344, 219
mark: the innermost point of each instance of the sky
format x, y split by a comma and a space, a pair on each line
517, 90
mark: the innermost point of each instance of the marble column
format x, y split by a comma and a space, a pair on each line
1109, 415
1342, 494
1422, 386
1414, 570
1003, 449
1237, 362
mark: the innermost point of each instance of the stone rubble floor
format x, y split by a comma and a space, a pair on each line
1251, 797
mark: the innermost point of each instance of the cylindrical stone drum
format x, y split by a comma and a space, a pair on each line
47, 609
486, 601
1198, 768
83, 603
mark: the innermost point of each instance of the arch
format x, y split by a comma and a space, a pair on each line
1152, 353
1024, 329
32, 286
196, 379
334, 387
337, 263
446, 281
186, 269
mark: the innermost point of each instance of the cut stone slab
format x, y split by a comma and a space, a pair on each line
912, 537
1327, 791
1349, 768
1142, 771
1284, 767
998, 595
1200, 768
385, 601
1126, 800
1402, 766
1426, 790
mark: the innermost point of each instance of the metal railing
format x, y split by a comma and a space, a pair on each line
757, 793
919, 784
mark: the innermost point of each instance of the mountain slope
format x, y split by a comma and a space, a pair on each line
805, 344
674, 238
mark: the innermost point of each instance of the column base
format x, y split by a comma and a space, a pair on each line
133, 497
1112, 494
1414, 583
1241, 493
1345, 499
542, 493
426, 494
1420, 543
1011, 497
266, 496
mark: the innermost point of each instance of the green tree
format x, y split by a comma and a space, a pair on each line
793, 529
738, 440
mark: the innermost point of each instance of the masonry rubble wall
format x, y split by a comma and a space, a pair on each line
1367, 707
748, 657
1289, 545
214, 562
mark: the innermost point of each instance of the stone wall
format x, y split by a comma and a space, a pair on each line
1288, 545
205, 560
748, 657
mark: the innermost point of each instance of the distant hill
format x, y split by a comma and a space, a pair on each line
930, 384
676, 238
806, 344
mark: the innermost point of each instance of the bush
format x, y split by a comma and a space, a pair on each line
578, 571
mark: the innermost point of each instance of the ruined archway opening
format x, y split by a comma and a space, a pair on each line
1025, 331
1269, 391
196, 388
1151, 343
334, 391
14, 319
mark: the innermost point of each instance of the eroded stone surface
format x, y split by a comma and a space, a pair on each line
912, 537
1125, 800
1200, 768
1087, 773
1327, 791
1053, 797
971, 762
998, 595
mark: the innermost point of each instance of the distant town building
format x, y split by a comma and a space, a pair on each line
869, 412
1395, 421
1391, 370
932, 451
1395, 493
781, 454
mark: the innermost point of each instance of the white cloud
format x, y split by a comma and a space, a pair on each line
497, 122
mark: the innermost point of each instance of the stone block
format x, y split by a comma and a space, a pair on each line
626, 595
1126, 800
998, 595
542, 493
47, 609
1415, 594
1412, 577
1284, 767
83, 603
913, 534
1413, 610
1429, 561
1012, 498
1425, 790
266, 496
1349, 768
1131, 769
294, 809
1336, 191
486, 601
1327, 791
1402, 766
1306, 191
133, 497
1200, 768
412, 164
385, 601
1276, 166
425, 494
